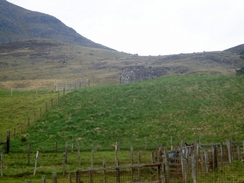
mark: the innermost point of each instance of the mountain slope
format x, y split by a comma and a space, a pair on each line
17, 24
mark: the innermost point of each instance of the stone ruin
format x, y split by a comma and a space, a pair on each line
137, 73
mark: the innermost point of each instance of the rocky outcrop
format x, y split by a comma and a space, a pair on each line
138, 73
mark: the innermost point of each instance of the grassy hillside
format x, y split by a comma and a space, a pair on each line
184, 107
38, 63
16, 109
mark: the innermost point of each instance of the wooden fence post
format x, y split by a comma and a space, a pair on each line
79, 160
52, 102
56, 146
44, 179
36, 161
215, 156
64, 160
66, 152
221, 154
145, 146
54, 177
69, 178
139, 162
131, 162
166, 163
8, 142
104, 172
184, 167
117, 171
229, 147
206, 159
194, 168
238, 151
77, 176
171, 143
92, 158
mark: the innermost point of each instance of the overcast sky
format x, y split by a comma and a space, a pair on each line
151, 27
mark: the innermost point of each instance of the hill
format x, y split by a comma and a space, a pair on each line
20, 24
38, 63
184, 107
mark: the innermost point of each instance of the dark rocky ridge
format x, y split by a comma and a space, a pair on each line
18, 24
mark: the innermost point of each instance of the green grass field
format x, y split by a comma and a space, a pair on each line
186, 108
190, 107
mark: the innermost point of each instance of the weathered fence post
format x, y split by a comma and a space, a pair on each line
221, 154
78, 150
69, 178
28, 155
229, 147
92, 158
171, 143
139, 162
54, 177
56, 146
64, 160
44, 179
77, 176
184, 167
206, 159
63, 91
215, 156
145, 145
117, 172
52, 102
104, 172
166, 163
194, 168
238, 151
66, 152
131, 162
8, 142
36, 161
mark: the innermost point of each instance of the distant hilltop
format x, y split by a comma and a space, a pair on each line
17, 24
